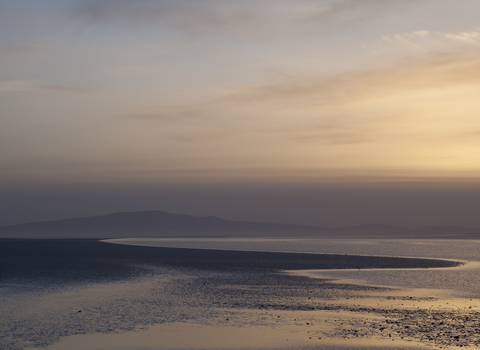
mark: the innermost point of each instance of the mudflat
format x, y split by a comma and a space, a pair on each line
57, 293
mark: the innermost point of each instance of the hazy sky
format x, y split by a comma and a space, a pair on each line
327, 112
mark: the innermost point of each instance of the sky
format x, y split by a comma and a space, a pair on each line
319, 112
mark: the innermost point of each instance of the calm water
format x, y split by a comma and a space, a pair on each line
457, 282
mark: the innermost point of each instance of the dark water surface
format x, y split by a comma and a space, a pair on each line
58, 261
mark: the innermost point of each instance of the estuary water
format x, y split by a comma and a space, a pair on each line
462, 281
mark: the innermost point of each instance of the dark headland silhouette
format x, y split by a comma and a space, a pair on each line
162, 224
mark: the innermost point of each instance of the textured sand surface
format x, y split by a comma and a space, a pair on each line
59, 293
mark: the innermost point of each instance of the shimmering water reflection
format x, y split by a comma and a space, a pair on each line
455, 282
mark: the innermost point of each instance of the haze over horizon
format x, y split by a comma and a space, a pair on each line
315, 112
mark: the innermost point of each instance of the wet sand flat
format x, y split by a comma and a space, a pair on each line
88, 292
196, 336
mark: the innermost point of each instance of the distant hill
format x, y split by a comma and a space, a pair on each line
162, 224
373, 227
446, 228
150, 224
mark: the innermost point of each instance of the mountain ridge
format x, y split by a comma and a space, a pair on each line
154, 223
146, 223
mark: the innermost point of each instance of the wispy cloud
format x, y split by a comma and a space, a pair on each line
71, 90
24, 85
18, 85
226, 17
359, 10
469, 37
428, 40
431, 71
470, 134
23, 49
229, 17
179, 114
352, 108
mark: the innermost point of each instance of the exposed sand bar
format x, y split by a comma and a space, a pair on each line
446, 281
